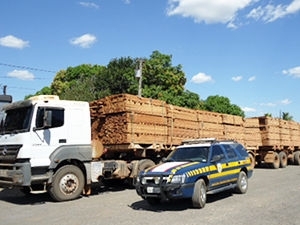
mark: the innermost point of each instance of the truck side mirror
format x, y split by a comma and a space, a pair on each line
47, 119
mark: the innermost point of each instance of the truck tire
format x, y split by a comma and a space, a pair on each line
252, 160
276, 163
199, 194
242, 183
283, 159
67, 183
297, 158
145, 164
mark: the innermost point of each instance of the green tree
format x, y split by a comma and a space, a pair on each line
286, 116
222, 104
70, 83
268, 115
120, 76
161, 79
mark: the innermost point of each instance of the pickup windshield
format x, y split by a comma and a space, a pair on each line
198, 154
16, 120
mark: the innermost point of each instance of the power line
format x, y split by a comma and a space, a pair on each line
28, 68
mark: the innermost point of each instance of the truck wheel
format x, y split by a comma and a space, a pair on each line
276, 163
252, 160
199, 194
145, 164
67, 184
242, 183
297, 158
283, 159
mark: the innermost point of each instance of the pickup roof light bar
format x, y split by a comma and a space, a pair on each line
205, 140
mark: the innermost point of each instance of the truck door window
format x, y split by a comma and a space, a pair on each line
57, 117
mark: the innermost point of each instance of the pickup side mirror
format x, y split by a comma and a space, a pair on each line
217, 158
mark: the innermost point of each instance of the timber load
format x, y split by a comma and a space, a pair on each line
136, 122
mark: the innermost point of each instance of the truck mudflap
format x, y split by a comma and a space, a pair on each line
17, 174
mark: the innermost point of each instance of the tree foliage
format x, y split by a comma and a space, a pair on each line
222, 104
286, 116
160, 80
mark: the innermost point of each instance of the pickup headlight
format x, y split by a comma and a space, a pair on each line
178, 179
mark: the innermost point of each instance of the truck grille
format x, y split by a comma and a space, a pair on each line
8, 153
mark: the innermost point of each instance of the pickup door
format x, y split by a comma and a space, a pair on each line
223, 170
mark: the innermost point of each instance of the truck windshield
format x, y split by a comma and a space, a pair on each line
199, 154
16, 120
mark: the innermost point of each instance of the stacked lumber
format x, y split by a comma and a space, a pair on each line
252, 133
126, 119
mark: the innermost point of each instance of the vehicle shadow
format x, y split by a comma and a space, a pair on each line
177, 205
16, 196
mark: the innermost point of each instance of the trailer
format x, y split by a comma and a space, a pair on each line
62, 146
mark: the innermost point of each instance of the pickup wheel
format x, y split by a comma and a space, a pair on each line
199, 194
242, 183
68, 183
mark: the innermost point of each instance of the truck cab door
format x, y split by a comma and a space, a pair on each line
48, 133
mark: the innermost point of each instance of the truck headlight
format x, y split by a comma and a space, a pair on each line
178, 179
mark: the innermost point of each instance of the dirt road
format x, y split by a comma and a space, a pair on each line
273, 198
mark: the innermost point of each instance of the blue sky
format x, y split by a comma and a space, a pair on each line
246, 50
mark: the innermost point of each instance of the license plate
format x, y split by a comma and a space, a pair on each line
153, 190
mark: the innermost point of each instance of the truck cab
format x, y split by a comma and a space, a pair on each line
45, 143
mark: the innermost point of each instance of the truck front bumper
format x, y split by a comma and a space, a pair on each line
17, 174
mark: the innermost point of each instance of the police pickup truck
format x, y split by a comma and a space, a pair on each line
194, 169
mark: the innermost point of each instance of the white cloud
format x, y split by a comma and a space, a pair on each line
237, 78
84, 41
89, 5
233, 13
248, 109
251, 78
208, 11
13, 42
286, 101
21, 74
201, 78
269, 104
294, 72
271, 12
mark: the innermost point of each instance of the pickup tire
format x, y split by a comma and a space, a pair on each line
67, 183
199, 194
242, 183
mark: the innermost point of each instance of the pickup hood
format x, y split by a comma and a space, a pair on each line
173, 167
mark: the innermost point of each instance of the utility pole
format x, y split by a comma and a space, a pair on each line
139, 74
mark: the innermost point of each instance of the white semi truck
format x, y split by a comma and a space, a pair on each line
45, 144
